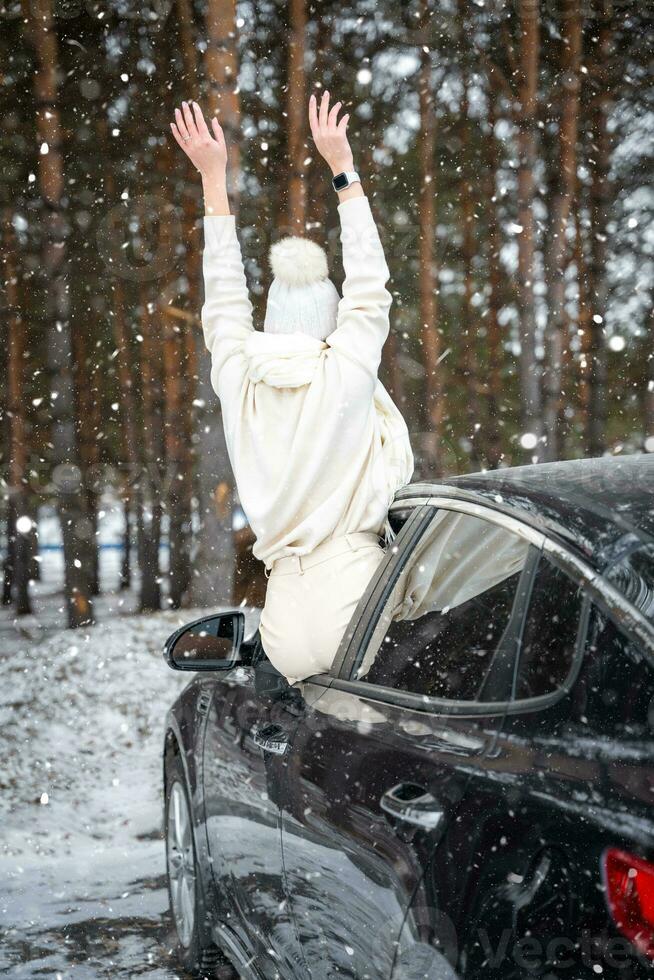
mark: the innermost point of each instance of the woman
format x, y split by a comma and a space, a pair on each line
317, 446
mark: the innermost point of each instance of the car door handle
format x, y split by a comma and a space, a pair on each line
412, 804
271, 738
455, 743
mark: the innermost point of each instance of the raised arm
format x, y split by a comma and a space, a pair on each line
363, 324
227, 310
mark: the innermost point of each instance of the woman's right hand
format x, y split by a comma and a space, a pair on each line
330, 134
207, 153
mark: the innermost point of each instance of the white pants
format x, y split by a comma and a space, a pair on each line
310, 600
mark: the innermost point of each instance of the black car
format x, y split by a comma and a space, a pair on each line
470, 792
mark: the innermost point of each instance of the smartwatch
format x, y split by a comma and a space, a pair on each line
341, 181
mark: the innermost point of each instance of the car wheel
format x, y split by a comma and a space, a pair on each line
199, 957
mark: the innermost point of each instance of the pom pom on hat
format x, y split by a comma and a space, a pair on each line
298, 262
302, 298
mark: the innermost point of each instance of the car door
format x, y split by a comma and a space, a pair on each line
253, 715
385, 760
241, 790
576, 781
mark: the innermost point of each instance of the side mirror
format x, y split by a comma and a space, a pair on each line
212, 643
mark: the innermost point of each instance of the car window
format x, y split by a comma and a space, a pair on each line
614, 697
549, 638
450, 612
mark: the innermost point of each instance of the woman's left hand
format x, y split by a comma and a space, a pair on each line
207, 152
330, 134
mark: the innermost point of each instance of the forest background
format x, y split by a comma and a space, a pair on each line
506, 148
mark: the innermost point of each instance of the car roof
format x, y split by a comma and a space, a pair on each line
599, 508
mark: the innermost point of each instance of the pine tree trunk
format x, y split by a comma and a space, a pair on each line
132, 471
527, 119
583, 327
187, 41
296, 122
179, 474
469, 354
429, 333
9, 563
87, 425
153, 457
560, 201
600, 198
178, 397
213, 561
315, 176
33, 539
66, 473
221, 66
192, 346
494, 385
125, 580
17, 564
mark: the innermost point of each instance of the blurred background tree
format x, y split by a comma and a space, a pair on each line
504, 146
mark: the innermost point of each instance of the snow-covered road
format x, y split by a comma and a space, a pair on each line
82, 882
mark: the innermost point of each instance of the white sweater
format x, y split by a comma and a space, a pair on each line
317, 446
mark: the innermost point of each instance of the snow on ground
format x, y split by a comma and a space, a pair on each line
82, 860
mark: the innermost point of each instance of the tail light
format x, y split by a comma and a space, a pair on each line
629, 882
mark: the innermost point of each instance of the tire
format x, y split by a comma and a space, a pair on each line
198, 955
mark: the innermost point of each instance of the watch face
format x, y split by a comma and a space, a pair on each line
340, 182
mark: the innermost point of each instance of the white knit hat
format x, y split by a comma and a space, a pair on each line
301, 296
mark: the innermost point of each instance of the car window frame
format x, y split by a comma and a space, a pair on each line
579, 574
345, 681
520, 705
